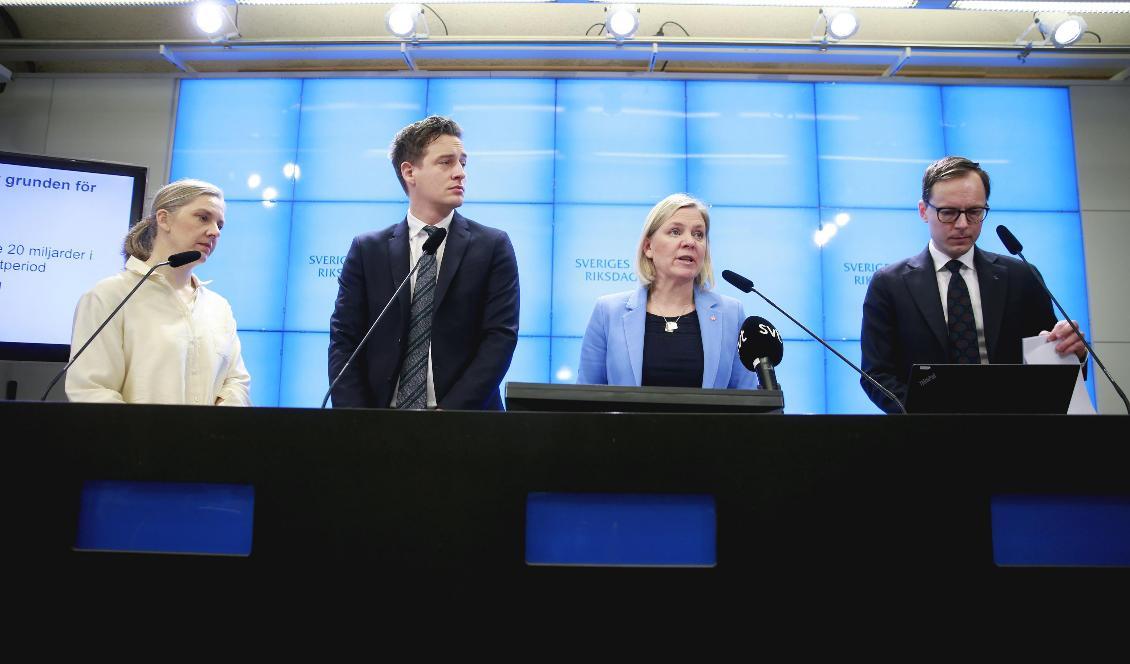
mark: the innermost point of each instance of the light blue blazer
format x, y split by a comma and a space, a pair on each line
612, 351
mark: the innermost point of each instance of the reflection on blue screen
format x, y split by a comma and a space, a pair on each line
239, 135
875, 141
1061, 531
620, 141
1022, 137
347, 126
751, 144
812, 188
509, 129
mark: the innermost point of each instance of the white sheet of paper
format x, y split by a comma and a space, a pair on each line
1037, 350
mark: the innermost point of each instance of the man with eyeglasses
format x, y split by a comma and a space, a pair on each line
953, 303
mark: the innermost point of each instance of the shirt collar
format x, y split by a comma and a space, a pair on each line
941, 259
415, 226
140, 267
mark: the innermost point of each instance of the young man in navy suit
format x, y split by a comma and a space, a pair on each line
448, 340
953, 303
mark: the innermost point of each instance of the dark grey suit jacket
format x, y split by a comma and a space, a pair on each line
903, 322
474, 324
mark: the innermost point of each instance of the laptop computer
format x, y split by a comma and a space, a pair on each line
990, 388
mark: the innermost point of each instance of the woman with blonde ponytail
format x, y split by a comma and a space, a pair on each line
175, 341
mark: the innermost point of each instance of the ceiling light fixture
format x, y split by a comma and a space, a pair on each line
406, 21
622, 22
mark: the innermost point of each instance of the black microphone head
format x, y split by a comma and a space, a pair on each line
738, 281
759, 339
184, 258
434, 240
1010, 242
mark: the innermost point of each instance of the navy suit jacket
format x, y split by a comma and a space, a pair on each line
903, 321
612, 351
474, 324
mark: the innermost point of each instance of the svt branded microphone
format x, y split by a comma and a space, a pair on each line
1016, 249
760, 349
176, 260
431, 245
746, 286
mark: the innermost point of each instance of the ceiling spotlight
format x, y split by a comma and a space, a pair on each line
839, 23
406, 21
214, 18
1061, 29
622, 21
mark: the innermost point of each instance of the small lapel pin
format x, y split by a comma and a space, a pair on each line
713, 317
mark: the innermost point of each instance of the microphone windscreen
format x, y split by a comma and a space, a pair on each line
737, 281
184, 258
759, 339
433, 242
1010, 242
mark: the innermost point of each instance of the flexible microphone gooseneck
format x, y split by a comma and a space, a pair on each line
430, 247
746, 286
176, 260
760, 350
1016, 249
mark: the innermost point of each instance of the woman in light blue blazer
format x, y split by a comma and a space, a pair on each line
672, 330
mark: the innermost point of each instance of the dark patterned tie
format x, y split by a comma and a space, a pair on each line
962, 325
413, 390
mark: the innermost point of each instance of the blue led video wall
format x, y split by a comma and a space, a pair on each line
812, 186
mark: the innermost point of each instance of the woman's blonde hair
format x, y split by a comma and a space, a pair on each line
663, 210
171, 197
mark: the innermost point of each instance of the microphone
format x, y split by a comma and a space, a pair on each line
760, 350
746, 286
1016, 249
176, 260
429, 248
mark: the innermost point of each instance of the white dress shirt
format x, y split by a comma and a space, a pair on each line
158, 348
969, 274
416, 238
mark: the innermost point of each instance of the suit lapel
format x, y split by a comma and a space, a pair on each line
458, 239
398, 259
923, 286
633, 320
705, 303
992, 280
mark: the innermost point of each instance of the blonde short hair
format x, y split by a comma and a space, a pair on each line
172, 197
664, 210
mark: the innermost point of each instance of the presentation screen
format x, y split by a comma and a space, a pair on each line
62, 222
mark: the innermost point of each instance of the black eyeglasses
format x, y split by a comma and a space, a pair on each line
948, 215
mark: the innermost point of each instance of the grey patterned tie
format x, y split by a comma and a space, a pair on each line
413, 390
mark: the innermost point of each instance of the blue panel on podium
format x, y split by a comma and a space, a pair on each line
1022, 137
508, 134
751, 143
594, 254
1061, 531
319, 241
166, 517
249, 265
621, 530
530, 228
875, 141
620, 141
773, 247
239, 135
346, 128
